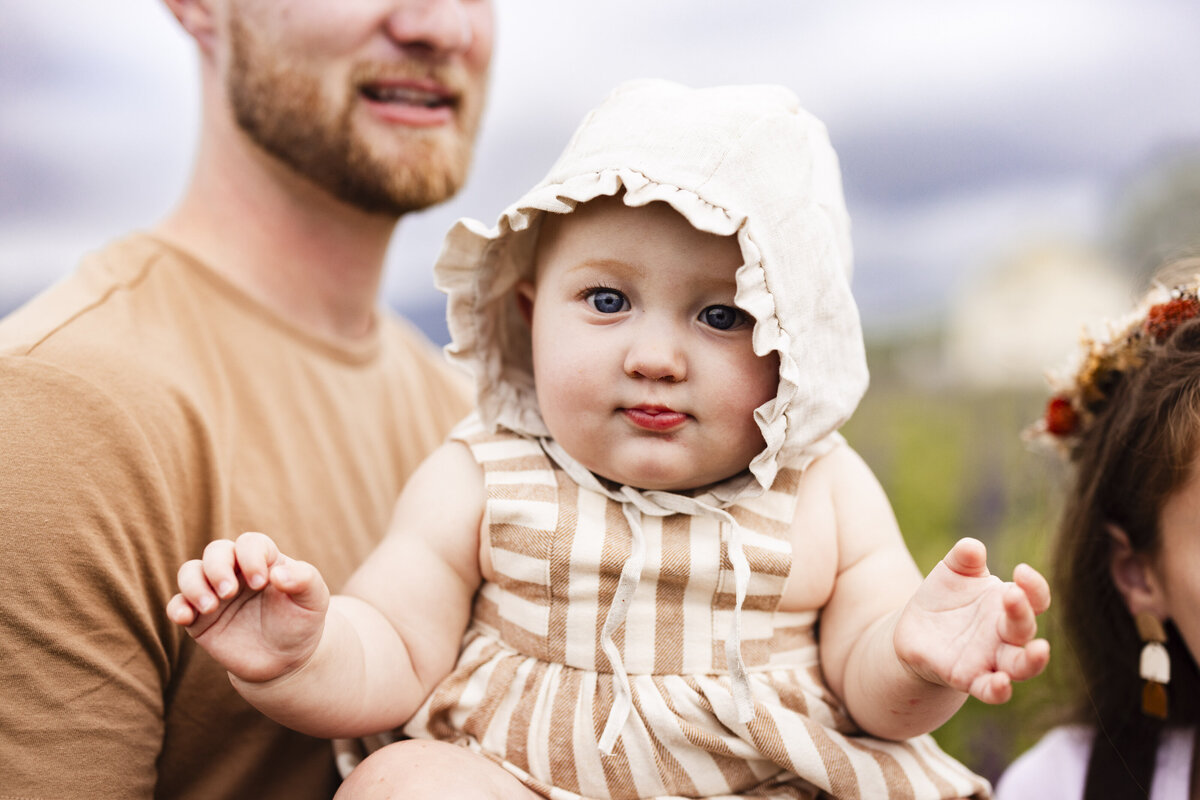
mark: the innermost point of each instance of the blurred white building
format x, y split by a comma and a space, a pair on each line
1008, 325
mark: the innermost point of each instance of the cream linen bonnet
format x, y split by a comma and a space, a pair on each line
742, 161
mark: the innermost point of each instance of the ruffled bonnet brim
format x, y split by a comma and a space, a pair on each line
479, 268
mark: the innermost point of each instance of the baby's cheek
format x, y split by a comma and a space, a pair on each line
765, 377
563, 392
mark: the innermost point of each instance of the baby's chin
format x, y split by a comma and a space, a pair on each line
650, 481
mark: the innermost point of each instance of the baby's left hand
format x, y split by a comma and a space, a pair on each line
966, 629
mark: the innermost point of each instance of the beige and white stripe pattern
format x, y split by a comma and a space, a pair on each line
533, 689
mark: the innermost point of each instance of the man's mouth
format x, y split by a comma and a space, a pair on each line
407, 96
410, 103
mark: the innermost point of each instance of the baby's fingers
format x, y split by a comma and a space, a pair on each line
1023, 663
180, 611
967, 557
992, 688
1035, 586
256, 552
195, 589
220, 569
1018, 624
301, 582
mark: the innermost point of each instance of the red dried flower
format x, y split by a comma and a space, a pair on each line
1164, 318
1061, 418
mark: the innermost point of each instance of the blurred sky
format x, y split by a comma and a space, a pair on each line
964, 129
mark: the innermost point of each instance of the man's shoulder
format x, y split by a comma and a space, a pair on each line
88, 291
108, 336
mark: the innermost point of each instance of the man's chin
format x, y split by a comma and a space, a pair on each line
419, 183
395, 180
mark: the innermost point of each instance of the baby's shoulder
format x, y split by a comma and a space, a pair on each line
814, 532
841, 513
829, 479
840, 466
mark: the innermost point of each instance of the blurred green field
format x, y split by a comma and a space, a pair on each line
953, 464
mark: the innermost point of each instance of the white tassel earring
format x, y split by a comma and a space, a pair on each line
1154, 665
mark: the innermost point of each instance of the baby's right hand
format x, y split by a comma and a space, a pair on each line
259, 613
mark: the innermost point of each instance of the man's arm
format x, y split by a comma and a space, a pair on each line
85, 525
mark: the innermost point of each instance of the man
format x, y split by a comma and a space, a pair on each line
229, 370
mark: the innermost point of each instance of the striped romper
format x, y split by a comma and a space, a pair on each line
536, 684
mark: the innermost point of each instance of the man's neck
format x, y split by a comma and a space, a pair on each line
280, 238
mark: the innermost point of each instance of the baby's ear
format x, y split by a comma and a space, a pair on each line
526, 292
1134, 576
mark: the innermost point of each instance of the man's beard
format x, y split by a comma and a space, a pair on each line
283, 111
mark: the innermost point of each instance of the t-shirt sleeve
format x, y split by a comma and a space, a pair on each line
86, 536
1053, 769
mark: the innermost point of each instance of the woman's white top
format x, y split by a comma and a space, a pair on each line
1056, 766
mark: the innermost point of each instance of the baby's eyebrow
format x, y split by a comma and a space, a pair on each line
619, 269
611, 266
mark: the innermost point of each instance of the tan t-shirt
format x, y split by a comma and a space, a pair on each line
146, 408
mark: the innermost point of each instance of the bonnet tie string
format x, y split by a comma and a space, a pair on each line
743, 700
631, 575
634, 506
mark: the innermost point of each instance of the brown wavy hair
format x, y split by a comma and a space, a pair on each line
1139, 450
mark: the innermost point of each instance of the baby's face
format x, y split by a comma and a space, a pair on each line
644, 367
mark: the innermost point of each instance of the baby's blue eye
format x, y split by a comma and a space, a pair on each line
607, 301
722, 318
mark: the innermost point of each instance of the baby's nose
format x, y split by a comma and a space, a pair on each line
656, 358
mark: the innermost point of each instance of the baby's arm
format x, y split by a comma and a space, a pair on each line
903, 653
363, 661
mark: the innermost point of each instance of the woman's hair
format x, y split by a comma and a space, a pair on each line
1136, 450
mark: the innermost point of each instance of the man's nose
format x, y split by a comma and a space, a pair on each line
442, 26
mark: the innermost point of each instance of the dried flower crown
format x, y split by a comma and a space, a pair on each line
1081, 391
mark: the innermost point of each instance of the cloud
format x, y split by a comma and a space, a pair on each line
911, 258
961, 126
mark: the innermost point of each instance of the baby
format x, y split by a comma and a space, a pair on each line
648, 566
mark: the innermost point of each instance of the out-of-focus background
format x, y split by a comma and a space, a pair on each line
1013, 170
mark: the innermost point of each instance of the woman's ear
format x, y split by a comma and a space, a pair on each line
526, 292
1134, 575
196, 17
